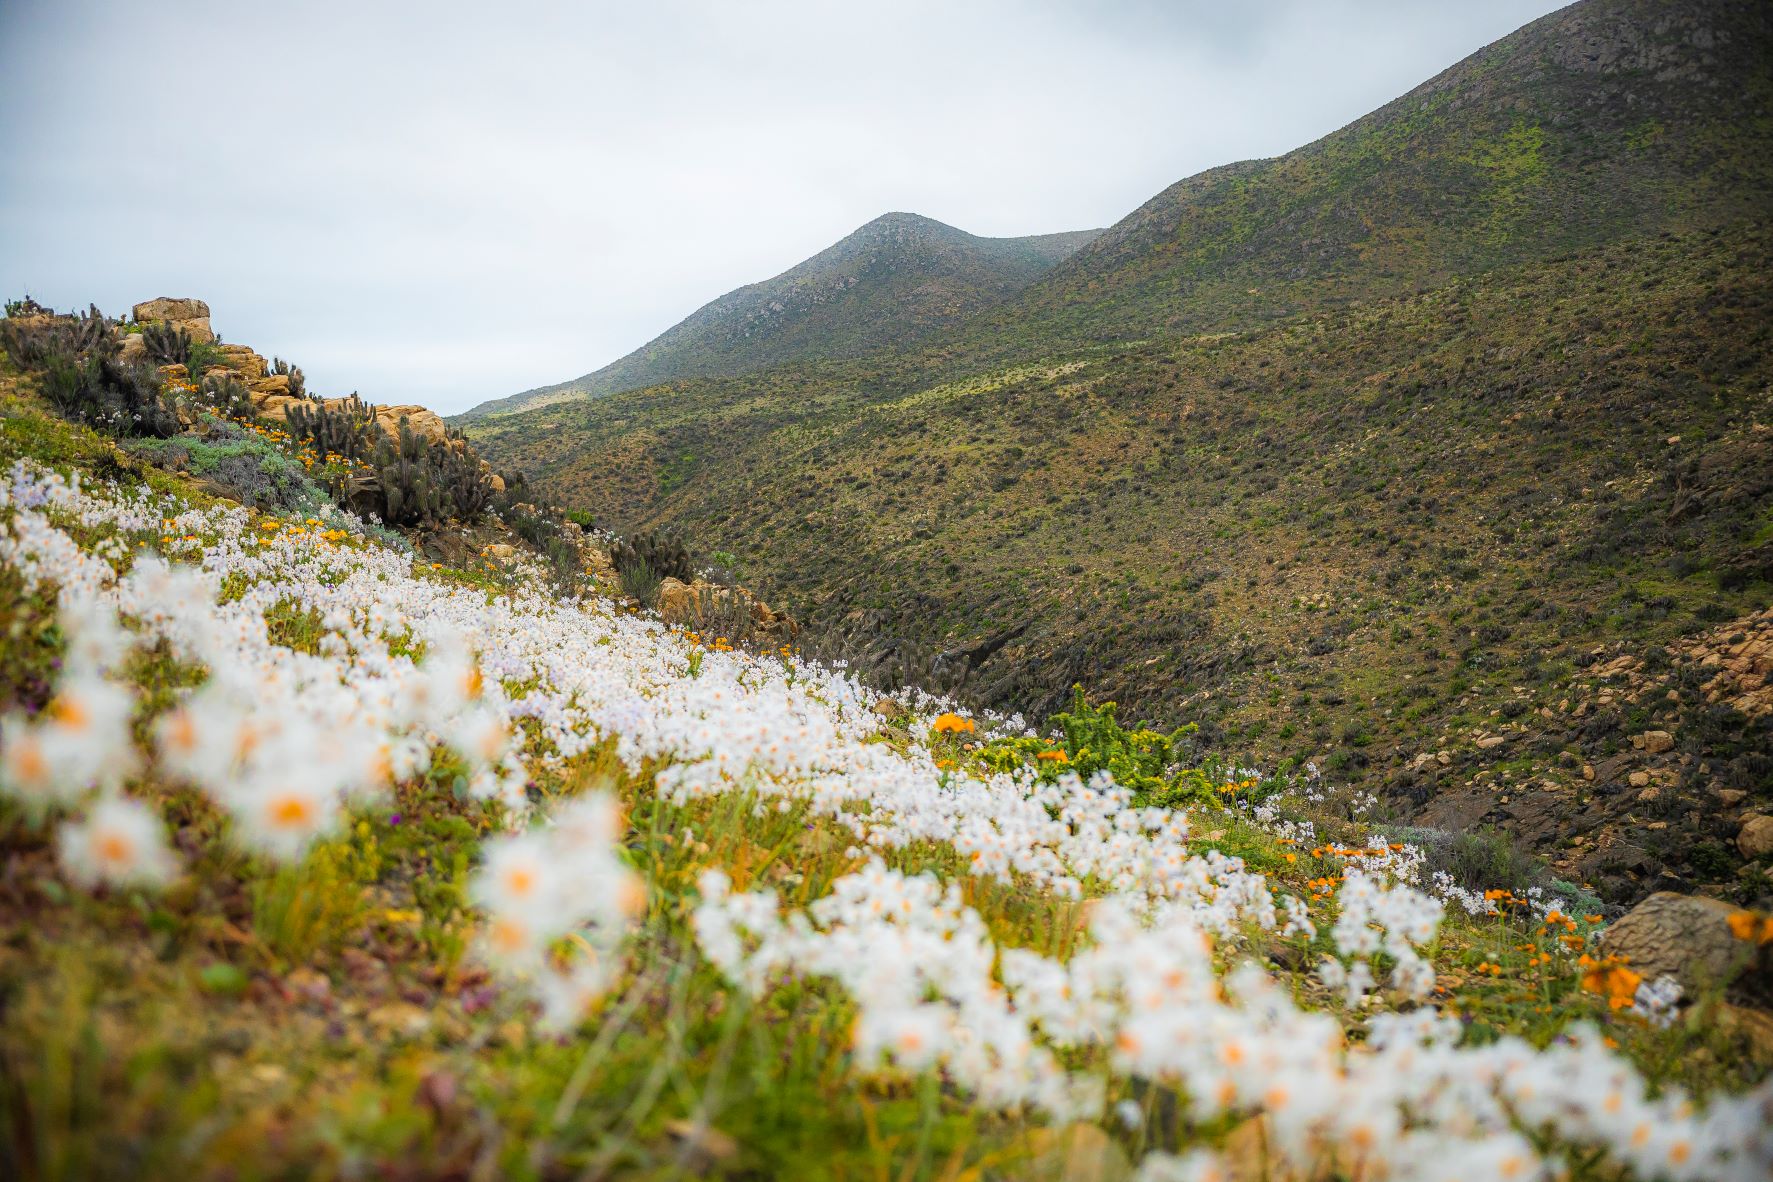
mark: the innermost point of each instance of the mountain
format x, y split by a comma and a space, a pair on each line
1602, 121
1495, 413
896, 282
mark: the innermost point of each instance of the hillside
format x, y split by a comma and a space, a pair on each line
1393, 516
896, 282
1607, 120
322, 856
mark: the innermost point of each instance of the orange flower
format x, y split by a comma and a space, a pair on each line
952, 724
1616, 983
1746, 925
1055, 756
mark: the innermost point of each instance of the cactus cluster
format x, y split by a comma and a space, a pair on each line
32, 345
405, 479
82, 373
661, 551
298, 385
227, 394
166, 343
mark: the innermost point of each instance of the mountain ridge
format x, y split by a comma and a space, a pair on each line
894, 281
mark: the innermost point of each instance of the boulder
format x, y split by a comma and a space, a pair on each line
271, 383
1690, 938
190, 315
1756, 837
424, 423
275, 406
1656, 742
243, 362
132, 349
678, 602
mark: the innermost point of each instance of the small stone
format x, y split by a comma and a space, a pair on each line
1638, 779
1588, 771
1655, 742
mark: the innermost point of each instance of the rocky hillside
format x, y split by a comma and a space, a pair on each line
1607, 120
896, 282
1389, 520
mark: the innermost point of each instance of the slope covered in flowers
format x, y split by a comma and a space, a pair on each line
321, 860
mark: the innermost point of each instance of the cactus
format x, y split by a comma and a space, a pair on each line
298, 385
166, 344
662, 551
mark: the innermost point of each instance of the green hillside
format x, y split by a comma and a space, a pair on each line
1605, 120
895, 282
1487, 432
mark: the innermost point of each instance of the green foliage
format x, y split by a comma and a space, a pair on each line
543, 531
639, 581
1142, 759
251, 468
1484, 859
314, 906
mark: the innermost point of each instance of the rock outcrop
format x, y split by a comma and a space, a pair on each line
708, 606
190, 315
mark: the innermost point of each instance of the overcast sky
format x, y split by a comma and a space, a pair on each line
450, 201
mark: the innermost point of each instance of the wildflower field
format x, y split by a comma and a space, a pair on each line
320, 859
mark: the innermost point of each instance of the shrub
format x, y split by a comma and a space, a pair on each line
1485, 859
83, 377
640, 581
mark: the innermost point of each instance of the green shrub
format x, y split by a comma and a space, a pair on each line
82, 375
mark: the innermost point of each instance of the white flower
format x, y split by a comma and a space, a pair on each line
121, 842
284, 815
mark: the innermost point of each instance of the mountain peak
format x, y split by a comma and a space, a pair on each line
893, 282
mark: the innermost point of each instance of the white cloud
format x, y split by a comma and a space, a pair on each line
451, 201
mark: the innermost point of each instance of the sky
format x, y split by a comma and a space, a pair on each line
451, 201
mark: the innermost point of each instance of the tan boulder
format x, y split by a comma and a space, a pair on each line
243, 361
1756, 837
1690, 938
132, 349
270, 384
1656, 742
424, 423
678, 602
276, 406
190, 315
